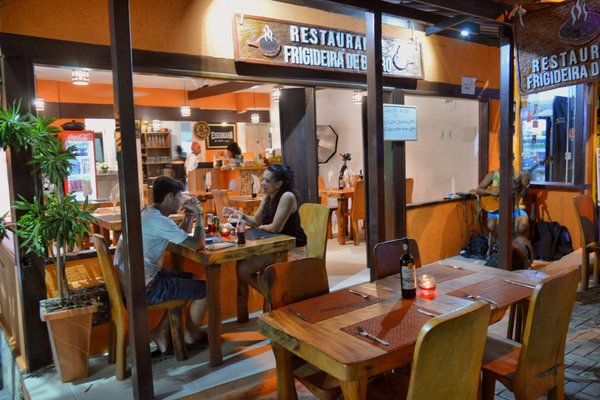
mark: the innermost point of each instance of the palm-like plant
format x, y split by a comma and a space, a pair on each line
55, 222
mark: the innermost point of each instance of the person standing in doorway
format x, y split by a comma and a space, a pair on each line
192, 160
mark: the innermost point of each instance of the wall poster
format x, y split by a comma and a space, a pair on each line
558, 45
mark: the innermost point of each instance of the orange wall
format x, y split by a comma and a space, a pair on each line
66, 92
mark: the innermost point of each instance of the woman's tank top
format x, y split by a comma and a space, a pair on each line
292, 225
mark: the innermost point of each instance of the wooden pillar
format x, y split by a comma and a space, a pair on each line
122, 69
298, 125
395, 182
19, 83
505, 223
373, 137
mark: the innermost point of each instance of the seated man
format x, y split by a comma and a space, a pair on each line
490, 186
163, 284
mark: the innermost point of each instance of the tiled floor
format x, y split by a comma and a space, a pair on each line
247, 353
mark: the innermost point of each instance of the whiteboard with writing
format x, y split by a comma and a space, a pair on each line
399, 122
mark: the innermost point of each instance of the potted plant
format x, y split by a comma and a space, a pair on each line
49, 226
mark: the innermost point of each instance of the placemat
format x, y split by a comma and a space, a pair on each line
399, 327
441, 272
495, 289
112, 217
256, 234
330, 305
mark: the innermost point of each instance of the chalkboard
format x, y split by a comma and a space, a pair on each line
220, 136
399, 122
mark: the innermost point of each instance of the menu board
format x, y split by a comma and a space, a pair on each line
399, 122
220, 136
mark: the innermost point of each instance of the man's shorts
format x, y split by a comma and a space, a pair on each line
516, 213
174, 285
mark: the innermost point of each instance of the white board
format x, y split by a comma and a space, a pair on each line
399, 122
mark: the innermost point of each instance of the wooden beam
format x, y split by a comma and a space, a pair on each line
396, 180
223, 88
485, 9
373, 137
129, 184
505, 223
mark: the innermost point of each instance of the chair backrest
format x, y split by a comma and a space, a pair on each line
314, 219
545, 333
220, 199
235, 186
111, 278
410, 183
586, 217
387, 255
358, 201
289, 282
448, 355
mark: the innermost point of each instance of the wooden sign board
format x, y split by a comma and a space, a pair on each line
220, 136
276, 42
558, 45
399, 122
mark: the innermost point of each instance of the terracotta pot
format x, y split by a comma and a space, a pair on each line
70, 332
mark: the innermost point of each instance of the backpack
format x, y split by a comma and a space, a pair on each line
551, 241
477, 247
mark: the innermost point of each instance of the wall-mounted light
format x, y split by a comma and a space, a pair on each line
80, 77
464, 32
39, 103
276, 93
357, 96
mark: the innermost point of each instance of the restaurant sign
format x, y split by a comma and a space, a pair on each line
558, 45
220, 136
269, 41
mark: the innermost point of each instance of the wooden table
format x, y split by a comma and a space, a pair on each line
246, 203
342, 196
109, 219
212, 260
349, 358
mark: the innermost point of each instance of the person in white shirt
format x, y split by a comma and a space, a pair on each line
165, 284
192, 160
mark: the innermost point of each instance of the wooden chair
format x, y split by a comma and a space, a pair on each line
536, 366
324, 200
220, 200
235, 186
588, 226
314, 219
358, 210
387, 256
446, 361
117, 350
290, 282
410, 183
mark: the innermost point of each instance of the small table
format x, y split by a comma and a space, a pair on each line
342, 196
246, 203
212, 260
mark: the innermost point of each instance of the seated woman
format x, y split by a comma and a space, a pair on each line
278, 213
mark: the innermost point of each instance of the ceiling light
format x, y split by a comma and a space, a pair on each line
80, 77
276, 93
255, 118
186, 111
464, 32
357, 96
39, 103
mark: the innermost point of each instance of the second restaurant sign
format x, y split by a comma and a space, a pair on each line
269, 41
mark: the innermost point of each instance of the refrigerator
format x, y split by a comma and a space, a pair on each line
535, 147
82, 178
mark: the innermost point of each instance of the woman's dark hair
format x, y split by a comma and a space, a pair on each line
286, 174
164, 185
234, 149
179, 150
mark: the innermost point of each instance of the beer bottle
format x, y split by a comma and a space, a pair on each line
408, 274
241, 232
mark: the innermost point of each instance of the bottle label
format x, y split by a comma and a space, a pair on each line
409, 276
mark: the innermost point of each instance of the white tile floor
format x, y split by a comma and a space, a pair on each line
246, 352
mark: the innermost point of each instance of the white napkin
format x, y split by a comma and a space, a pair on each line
219, 246
208, 180
256, 184
330, 176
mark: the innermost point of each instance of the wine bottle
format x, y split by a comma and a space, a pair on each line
360, 175
341, 182
241, 231
408, 274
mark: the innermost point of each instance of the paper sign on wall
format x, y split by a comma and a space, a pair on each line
468, 85
399, 122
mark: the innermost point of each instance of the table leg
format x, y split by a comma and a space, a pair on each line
116, 236
106, 233
286, 389
213, 284
342, 219
355, 390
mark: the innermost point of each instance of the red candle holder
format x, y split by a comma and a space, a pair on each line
225, 232
427, 286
